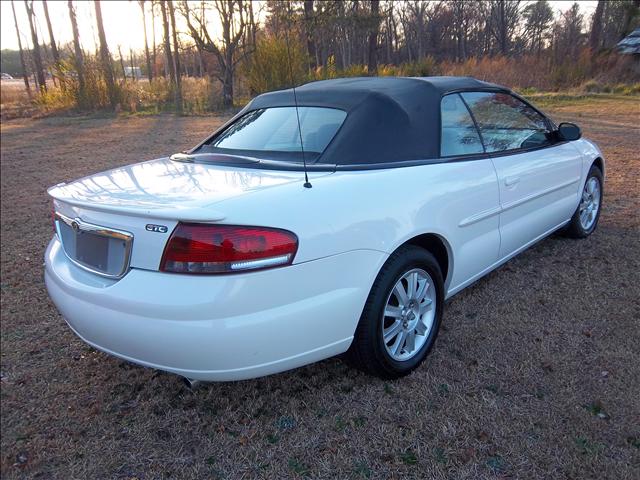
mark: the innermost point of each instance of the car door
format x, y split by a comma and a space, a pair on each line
470, 192
538, 176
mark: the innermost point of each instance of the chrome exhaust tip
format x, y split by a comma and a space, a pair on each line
191, 383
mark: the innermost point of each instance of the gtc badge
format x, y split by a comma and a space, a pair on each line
150, 227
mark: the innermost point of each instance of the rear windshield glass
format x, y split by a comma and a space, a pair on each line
276, 130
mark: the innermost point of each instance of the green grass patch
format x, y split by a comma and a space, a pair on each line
408, 457
362, 470
298, 467
554, 99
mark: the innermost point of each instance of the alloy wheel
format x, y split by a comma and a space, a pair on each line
409, 314
590, 203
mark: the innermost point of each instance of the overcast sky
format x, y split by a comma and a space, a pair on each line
122, 23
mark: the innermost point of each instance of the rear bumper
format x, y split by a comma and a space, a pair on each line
217, 328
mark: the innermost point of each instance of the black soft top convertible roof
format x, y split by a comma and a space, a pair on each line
389, 119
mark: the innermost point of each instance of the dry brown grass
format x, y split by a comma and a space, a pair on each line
535, 375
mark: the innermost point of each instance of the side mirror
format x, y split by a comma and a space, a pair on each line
569, 131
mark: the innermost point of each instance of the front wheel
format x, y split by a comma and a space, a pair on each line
585, 218
401, 318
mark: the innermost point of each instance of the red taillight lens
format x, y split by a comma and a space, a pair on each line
200, 248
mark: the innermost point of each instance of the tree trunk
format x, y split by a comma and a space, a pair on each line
394, 35
124, 72
105, 58
176, 60
132, 65
253, 29
503, 29
201, 65
153, 32
79, 58
37, 59
25, 74
232, 41
54, 47
309, 31
387, 41
227, 88
167, 46
596, 27
372, 65
146, 42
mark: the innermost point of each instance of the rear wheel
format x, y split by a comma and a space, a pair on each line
585, 218
402, 315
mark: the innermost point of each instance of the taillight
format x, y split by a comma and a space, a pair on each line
202, 248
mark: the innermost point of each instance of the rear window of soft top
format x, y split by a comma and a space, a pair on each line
275, 130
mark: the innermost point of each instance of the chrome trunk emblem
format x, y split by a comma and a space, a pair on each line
150, 227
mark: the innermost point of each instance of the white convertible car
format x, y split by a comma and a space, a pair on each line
223, 263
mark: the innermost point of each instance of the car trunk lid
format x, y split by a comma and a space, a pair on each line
168, 189
146, 201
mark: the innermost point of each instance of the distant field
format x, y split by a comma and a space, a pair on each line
12, 91
535, 375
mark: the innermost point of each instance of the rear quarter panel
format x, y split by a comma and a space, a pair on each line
382, 209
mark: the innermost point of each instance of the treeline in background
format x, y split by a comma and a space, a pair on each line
261, 46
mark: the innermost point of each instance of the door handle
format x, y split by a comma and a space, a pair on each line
511, 181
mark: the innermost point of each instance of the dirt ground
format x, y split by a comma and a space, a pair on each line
536, 373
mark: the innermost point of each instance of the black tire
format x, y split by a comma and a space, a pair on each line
368, 351
575, 229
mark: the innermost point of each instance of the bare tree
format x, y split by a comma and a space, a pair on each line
132, 63
146, 42
595, 36
176, 59
538, 17
168, 64
105, 57
153, 32
390, 32
614, 17
630, 12
54, 47
414, 19
37, 58
372, 64
233, 19
78, 57
568, 35
121, 61
201, 64
253, 27
460, 11
309, 32
505, 15
25, 74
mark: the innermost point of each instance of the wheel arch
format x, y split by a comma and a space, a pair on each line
599, 162
438, 246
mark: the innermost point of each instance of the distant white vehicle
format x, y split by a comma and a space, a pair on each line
218, 264
132, 72
5, 76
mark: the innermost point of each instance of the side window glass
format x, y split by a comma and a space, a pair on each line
458, 135
506, 123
